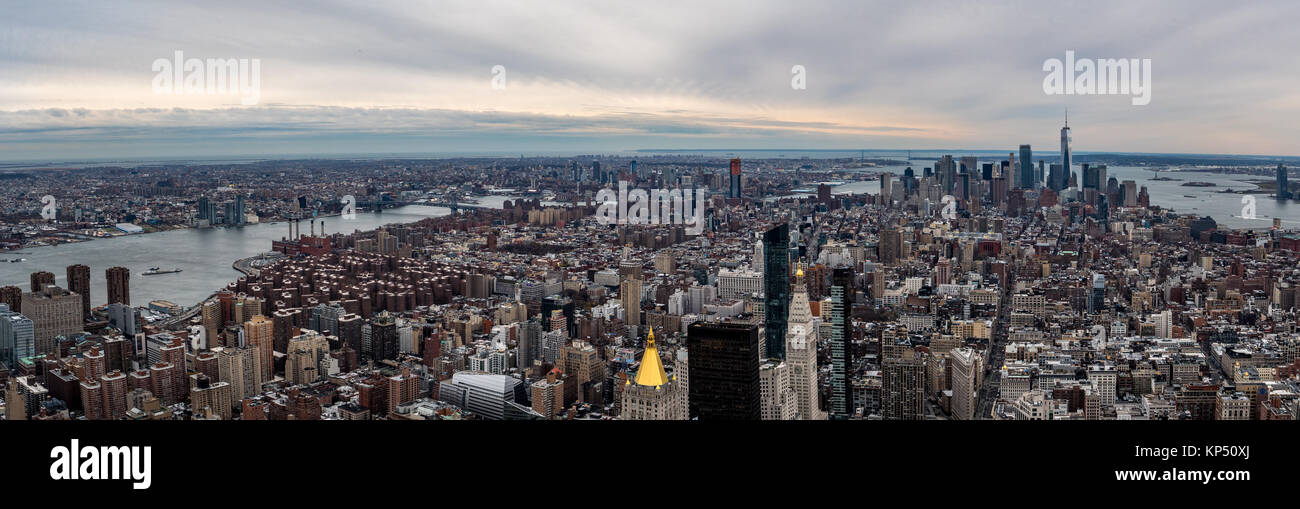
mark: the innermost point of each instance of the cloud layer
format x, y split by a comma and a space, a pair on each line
592, 77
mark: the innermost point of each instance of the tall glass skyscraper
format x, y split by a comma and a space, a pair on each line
776, 287
17, 337
842, 406
734, 192
1283, 192
1025, 177
1066, 159
723, 371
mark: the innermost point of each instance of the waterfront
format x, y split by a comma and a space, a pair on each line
1225, 208
204, 255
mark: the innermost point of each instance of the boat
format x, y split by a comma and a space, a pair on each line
154, 271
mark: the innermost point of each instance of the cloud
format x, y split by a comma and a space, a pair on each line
621, 76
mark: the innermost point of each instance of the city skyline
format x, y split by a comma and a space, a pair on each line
402, 79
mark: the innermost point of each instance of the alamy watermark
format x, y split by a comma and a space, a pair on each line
655, 207
49, 208
349, 207
1106, 76
189, 76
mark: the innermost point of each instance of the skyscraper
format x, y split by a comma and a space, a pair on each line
902, 387
801, 352
79, 283
776, 287
1025, 175
842, 406
119, 285
260, 333
1283, 191
1094, 177
41, 280
651, 394
734, 192
723, 369
967, 366
54, 312
1066, 155
17, 337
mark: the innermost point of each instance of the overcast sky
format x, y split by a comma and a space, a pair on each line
601, 77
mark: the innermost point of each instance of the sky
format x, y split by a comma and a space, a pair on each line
77, 79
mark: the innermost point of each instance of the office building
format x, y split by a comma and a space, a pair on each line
652, 394
17, 337
54, 312
79, 283
1025, 174
724, 371
776, 287
119, 284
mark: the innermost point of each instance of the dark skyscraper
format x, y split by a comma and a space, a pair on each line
776, 287
734, 192
1025, 175
1094, 177
1058, 178
119, 285
41, 280
13, 296
842, 406
724, 379
79, 283
1283, 191
383, 337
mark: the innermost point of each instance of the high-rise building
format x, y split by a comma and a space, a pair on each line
776, 288
260, 335
79, 283
383, 337
54, 312
306, 360
242, 369
1094, 177
402, 388
12, 296
17, 337
902, 386
777, 397
1066, 150
801, 353
119, 284
548, 394
212, 322
1058, 178
208, 395
1283, 190
651, 394
115, 388
40, 280
967, 367
629, 293
1097, 299
734, 191
891, 245
841, 344
724, 377
1025, 174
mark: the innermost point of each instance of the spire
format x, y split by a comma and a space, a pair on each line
1067, 117
652, 372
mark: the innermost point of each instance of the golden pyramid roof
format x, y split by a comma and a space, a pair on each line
652, 368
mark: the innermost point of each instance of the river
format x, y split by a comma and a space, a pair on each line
203, 254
